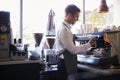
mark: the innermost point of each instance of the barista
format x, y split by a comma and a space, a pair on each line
65, 44
64, 37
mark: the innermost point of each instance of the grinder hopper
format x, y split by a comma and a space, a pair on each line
38, 37
50, 41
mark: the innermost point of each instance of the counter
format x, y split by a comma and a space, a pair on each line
102, 74
20, 70
11, 62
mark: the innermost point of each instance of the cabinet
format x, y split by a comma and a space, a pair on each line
20, 70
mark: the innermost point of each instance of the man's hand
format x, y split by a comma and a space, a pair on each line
92, 42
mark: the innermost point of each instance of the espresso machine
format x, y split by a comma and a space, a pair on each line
9, 49
100, 54
5, 35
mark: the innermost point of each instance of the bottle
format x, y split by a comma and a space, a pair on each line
15, 48
15, 41
19, 45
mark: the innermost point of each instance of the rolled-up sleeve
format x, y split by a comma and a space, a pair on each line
66, 38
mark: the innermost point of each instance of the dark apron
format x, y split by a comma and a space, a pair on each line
70, 62
67, 66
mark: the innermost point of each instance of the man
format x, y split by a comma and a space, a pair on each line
65, 46
64, 36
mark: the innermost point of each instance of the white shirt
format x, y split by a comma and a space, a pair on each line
64, 40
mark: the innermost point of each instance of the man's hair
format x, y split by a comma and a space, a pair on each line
71, 9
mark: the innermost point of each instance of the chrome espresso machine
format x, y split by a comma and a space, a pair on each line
9, 49
100, 55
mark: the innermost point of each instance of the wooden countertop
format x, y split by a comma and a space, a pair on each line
9, 62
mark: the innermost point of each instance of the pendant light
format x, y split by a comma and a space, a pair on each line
103, 7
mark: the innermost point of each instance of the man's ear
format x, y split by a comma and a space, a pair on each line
70, 15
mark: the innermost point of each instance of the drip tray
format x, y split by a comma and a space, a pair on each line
98, 61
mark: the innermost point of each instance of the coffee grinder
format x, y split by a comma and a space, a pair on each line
51, 57
5, 36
